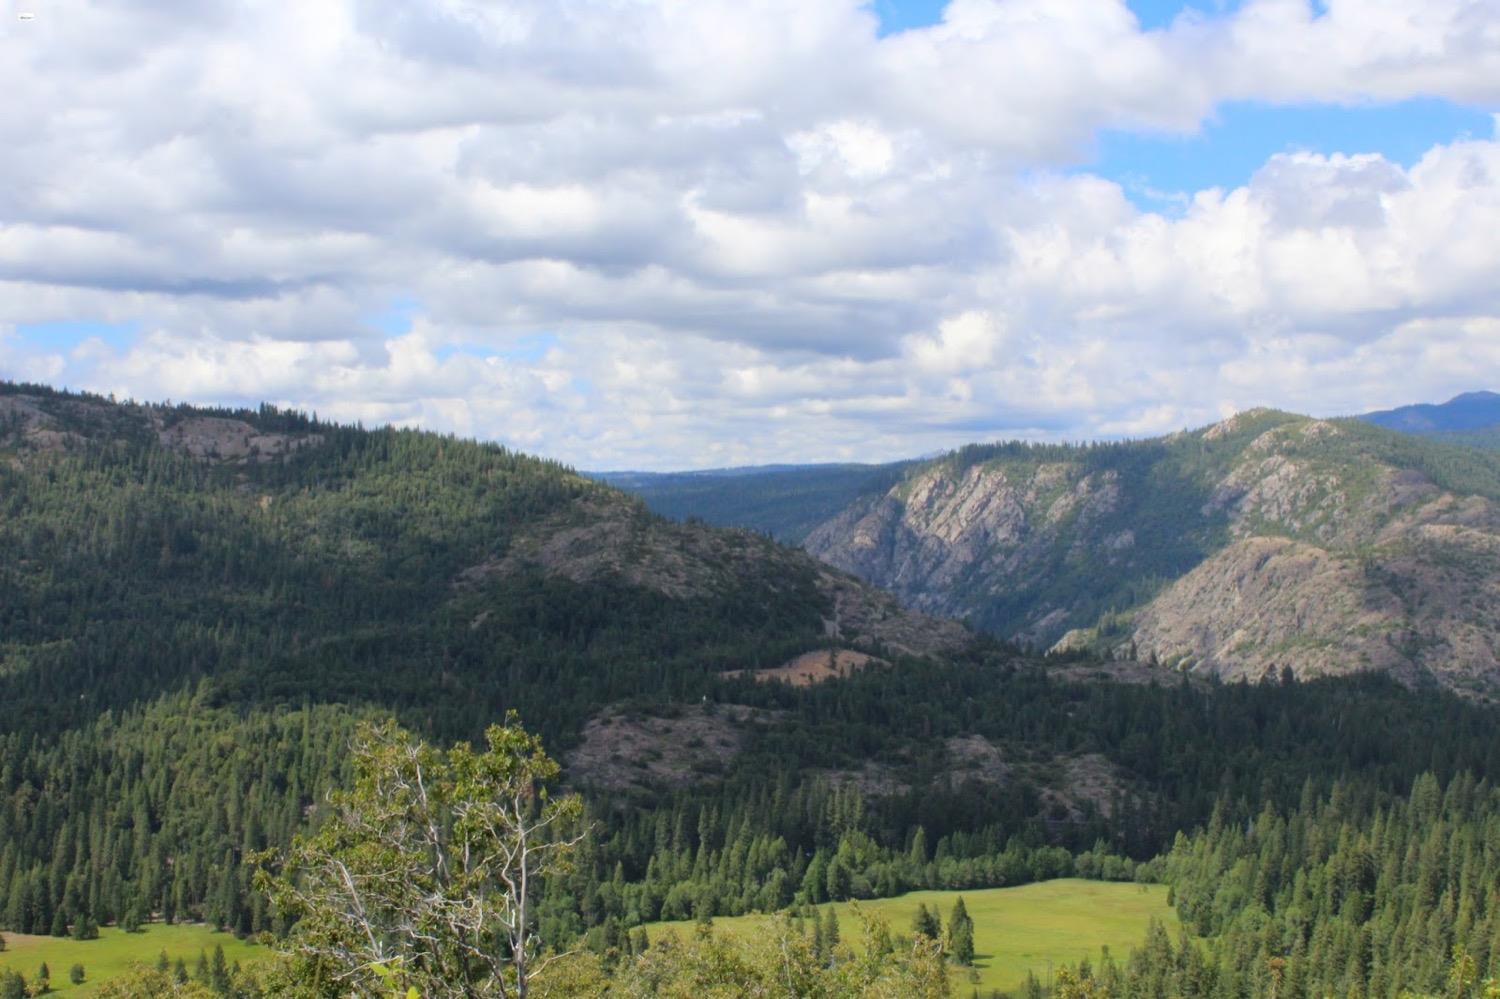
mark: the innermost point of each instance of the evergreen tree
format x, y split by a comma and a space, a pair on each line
925, 922
830, 930
219, 976
961, 934
76, 974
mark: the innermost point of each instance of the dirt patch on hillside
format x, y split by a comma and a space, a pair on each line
1122, 671
622, 749
813, 667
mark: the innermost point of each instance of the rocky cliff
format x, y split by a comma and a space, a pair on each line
1266, 542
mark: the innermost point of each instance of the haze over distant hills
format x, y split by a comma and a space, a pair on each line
1470, 411
1472, 418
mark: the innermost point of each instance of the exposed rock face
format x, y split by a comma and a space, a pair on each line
940, 536
25, 423
1265, 603
1419, 607
37, 424
690, 745
215, 438
1323, 546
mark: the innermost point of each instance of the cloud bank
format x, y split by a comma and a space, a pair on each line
705, 232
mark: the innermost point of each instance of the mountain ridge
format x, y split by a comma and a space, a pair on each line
1263, 542
1468, 411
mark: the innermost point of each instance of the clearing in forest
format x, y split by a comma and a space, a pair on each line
1031, 928
116, 951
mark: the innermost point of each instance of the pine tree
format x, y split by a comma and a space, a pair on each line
926, 923
219, 971
76, 974
961, 934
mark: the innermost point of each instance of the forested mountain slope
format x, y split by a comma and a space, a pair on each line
175, 581
1265, 542
283, 558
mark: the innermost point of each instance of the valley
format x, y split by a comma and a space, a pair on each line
203, 610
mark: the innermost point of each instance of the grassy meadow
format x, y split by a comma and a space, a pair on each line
115, 951
1016, 930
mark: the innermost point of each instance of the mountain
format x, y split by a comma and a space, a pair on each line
784, 501
1464, 413
1265, 542
278, 558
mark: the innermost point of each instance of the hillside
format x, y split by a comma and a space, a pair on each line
219, 595
283, 558
1268, 541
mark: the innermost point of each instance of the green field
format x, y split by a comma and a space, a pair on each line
1016, 930
115, 951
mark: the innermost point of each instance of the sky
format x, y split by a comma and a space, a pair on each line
661, 234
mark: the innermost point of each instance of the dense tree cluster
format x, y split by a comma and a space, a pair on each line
1355, 894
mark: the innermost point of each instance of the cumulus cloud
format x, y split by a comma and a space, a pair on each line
747, 230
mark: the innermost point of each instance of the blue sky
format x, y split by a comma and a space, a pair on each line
1241, 136
899, 15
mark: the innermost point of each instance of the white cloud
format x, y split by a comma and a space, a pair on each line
752, 231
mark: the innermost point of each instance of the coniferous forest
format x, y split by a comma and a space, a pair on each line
189, 640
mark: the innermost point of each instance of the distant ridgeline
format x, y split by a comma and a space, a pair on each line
1264, 542
784, 501
1471, 420
197, 606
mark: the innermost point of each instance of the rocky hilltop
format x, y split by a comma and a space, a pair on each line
1267, 542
